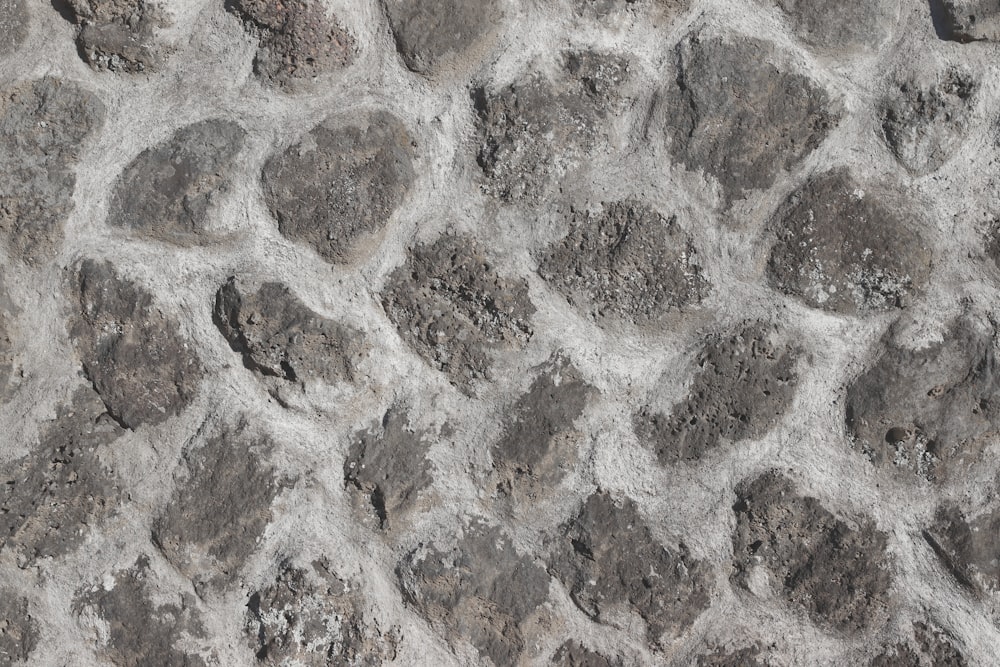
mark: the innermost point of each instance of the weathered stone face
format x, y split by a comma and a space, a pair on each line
928, 646
144, 370
455, 310
429, 34
837, 573
967, 20
18, 629
573, 654
609, 562
746, 384
341, 183
312, 618
43, 125
842, 28
299, 39
14, 17
118, 35
167, 191
841, 248
480, 591
741, 657
968, 545
733, 112
930, 411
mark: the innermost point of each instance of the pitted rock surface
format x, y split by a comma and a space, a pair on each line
118, 35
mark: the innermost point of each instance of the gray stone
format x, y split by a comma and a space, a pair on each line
846, 248
18, 629
929, 647
144, 370
609, 561
627, 261
43, 125
573, 654
14, 23
968, 544
967, 20
841, 27
118, 35
431, 33
8, 312
734, 113
741, 657
480, 591
341, 183
837, 571
298, 39
167, 191
746, 384
453, 308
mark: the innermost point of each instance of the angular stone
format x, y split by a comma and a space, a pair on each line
14, 18
431, 33
968, 544
967, 20
279, 336
144, 370
311, 617
480, 591
930, 411
846, 250
609, 561
745, 386
341, 183
43, 125
453, 308
733, 112
118, 35
838, 572
18, 629
627, 261
166, 193
299, 39
573, 654
841, 27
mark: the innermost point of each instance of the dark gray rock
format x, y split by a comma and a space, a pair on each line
930, 411
387, 466
841, 27
608, 560
480, 591
298, 39
144, 370
924, 121
968, 545
8, 312
929, 647
573, 654
967, 20
746, 384
742, 657
279, 336
311, 617
627, 261
529, 131
732, 112
431, 33
453, 308
139, 631
18, 629
838, 572
166, 192
50, 498
118, 35
14, 23
341, 183
43, 125
845, 248
220, 507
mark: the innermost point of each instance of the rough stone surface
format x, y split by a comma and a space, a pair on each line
454, 309
18, 629
841, 28
743, 657
609, 562
967, 545
341, 183
573, 654
967, 20
842, 247
142, 367
929, 646
166, 193
429, 34
746, 383
14, 17
118, 35
837, 572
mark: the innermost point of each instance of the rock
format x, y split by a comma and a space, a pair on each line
137, 630
50, 498
573, 654
281, 337
930, 411
930, 646
924, 122
14, 25
43, 124
838, 572
341, 183
531, 133
118, 35
144, 370
220, 507
743, 657
429, 34
167, 192
967, 20
8, 312
746, 384
18, 629
312, 618
387, 465
627, 261
860, 27
539, 441
609, 561
735, 113
968, 545
846, 249
299, 40
453, 308
480, 591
